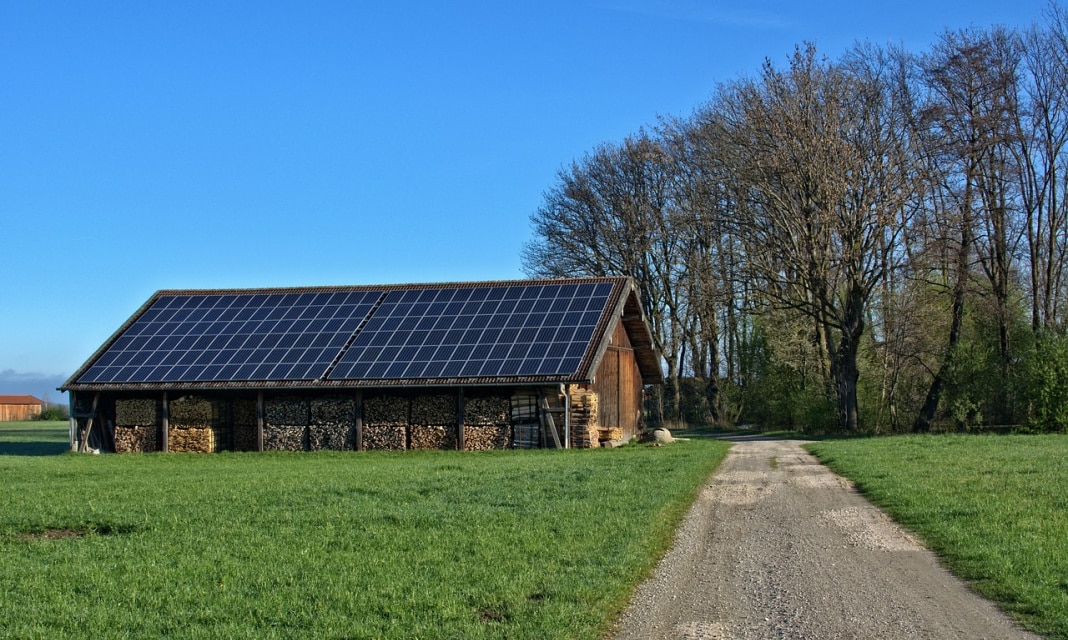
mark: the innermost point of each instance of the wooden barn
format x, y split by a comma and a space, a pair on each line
467, 366
14, 408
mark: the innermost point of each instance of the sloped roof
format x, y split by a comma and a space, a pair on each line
474, 333
20, 400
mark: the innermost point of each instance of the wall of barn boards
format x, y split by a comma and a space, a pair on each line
492, 418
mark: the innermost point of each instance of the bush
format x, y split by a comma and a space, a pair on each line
54, 412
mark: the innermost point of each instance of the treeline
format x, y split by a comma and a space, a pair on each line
874, 243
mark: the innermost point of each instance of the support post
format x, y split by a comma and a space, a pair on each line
73, 421
565, 391
259, 421
460, 419
359, 420
164, 445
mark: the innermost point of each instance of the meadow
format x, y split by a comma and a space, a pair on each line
994, 508
506, 544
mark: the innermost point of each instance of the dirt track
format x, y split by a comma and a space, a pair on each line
777, 546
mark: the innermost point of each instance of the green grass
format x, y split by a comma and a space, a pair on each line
34, 438
995, 508
511, 544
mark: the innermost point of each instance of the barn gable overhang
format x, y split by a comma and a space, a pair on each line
575, 362
628, 312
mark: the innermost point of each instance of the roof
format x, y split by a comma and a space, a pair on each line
473, 333
20, 400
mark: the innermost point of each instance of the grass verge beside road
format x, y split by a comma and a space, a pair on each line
994, 508
510, 544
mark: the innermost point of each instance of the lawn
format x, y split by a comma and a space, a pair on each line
509, 544
994, 508
34, 438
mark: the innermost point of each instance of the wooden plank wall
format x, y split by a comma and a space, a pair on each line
619, 386
15, 412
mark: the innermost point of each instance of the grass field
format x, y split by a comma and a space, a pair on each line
34, 438
510, 544
995, 508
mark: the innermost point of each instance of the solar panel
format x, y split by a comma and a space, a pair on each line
432, 332
233, 337
529, 330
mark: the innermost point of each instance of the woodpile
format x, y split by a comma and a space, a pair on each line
284, 437
286, 421
425, 436
480, 437
487, 422
607, 434
584, 432
385, 419
385, 437
137, 412
286, 410
333, 421
191, 440
137, 427
487, 410
385, 409
136, 439
432, 421
191, 412
222, 438
436, 409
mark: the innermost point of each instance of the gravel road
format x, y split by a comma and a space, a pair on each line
777, 546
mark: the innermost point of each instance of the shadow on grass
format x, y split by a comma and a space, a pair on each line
33, 441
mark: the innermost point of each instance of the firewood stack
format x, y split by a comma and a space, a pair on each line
432, 422
526, 430
136, 425
487, 424
244, 420
189, 429
286, 423
385, 422
332, 425
584, 432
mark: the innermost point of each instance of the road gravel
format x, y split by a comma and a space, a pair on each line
777, 546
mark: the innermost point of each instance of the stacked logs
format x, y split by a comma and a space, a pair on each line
286, 421
487, 423
332, 424
432, 422
190, 427
385, 422
136, 425
584, 432
526, 430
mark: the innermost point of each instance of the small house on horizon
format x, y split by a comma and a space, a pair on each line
468, 366
19, 407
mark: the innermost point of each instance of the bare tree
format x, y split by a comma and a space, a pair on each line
825, 180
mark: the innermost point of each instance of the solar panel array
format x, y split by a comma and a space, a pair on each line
536, 329
233, 337
482, 332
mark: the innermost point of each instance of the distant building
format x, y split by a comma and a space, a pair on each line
14, 408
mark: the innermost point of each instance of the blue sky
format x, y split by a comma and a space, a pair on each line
157, 145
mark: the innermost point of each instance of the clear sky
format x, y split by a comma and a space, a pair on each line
158, 145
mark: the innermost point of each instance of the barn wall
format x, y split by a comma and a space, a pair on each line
17, 412
618, 385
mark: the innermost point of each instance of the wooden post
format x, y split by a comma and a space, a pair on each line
73, 421
565, 390
89, 424
460, 419
359, 420
166, 435
259, 422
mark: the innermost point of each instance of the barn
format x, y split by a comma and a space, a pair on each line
467, 366
19, 408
